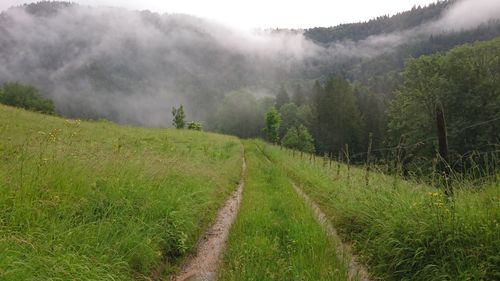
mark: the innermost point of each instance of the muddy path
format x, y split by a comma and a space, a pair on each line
356, 271
203, 266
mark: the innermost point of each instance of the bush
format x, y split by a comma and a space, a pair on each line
194, 126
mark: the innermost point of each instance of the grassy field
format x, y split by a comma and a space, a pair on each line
275, 236
404, 230
98, 201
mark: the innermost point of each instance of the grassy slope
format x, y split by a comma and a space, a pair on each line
405, 231
98, 201
275, 236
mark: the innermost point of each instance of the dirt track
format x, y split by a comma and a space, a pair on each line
203, 266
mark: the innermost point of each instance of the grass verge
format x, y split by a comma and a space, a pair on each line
404, 230
98, 201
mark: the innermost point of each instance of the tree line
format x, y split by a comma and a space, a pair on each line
25, 96
464, 84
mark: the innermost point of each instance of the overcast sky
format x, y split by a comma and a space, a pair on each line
264, 13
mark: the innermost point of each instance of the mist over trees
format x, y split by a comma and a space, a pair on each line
338, 84
132, 67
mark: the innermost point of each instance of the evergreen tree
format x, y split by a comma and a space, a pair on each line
337, 117
289, 117
179, 118
298, 96
282, 97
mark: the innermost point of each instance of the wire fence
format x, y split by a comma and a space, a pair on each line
403, 160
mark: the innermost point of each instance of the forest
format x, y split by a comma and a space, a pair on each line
463, 81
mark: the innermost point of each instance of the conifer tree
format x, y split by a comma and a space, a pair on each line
179, 118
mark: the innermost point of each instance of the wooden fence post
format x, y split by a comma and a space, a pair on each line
370, 139
338, 162
443, 148
348, 161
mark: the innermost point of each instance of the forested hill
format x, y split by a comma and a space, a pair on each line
383, 24
380, 47
133, 66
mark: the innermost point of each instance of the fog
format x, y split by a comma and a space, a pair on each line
463, 15
132, 67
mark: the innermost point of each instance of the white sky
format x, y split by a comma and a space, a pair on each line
263, 13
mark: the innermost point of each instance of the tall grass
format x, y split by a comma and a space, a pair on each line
98, 201
275, 236
404, 230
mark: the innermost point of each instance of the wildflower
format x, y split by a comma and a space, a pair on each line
439, 204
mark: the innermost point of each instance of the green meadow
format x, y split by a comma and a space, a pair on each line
99, 201
404, 230
86, 200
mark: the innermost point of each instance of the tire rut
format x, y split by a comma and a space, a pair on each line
356, 271
203, 265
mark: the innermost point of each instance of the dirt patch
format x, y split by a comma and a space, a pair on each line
356, 271
203, 266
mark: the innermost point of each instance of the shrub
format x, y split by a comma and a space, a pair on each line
193, 125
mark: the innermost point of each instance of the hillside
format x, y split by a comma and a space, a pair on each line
94, 200
117, 64
97, 201
409, 34
384, 24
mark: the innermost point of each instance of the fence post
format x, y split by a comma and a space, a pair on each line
338, 162
494, 166
370, 139
348, 161
443, 148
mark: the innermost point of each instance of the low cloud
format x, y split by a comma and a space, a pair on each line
132, 67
